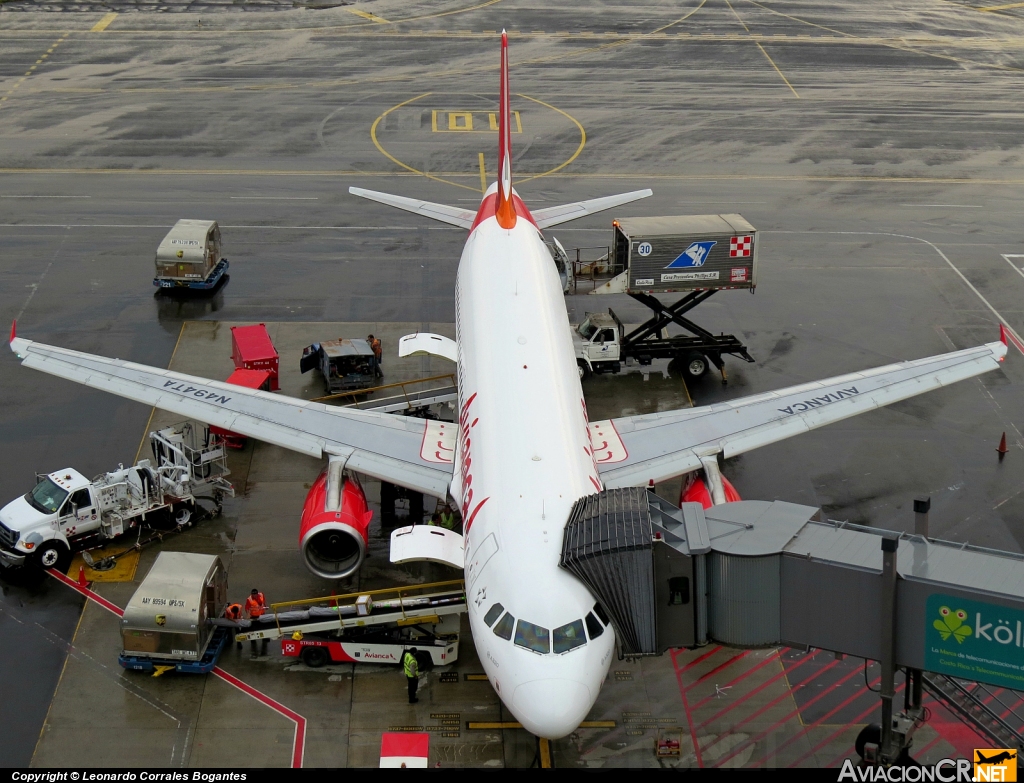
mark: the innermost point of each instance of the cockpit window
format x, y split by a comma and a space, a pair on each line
601, 614
493, 614
569, 636
504, 626
533, 637
594, 628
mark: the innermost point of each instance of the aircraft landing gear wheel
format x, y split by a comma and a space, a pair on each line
584, 370
315, 657
872, 733
53, 554
695, 365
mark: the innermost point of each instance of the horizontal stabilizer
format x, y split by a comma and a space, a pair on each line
454, 216
429, 543
553, 216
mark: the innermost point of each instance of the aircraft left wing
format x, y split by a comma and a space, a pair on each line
412, 452
636, 449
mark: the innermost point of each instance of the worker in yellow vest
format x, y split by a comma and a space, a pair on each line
411, 668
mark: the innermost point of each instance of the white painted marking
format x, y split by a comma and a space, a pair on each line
45, 196
288, 228
952, 206
275, 198
1016, 268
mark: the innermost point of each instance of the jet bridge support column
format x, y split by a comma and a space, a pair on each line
888, 636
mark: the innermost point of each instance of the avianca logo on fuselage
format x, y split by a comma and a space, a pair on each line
469, 511
817, 402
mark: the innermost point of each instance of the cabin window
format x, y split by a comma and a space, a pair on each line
504, 626
594, 628
493, 614
533, 637
678, 591
569, 636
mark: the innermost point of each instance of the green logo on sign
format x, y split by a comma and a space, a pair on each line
952, 623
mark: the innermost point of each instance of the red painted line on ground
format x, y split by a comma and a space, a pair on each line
695, 661
719, 668
686, 703
760, 688
841, 729
732, 682
752, 740
299, 740
815, 723
86, 592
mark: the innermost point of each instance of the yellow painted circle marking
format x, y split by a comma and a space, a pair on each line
414, 170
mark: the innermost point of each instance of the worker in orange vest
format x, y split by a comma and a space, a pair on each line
234, 613
255, 606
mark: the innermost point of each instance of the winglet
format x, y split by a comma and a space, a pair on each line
1008, 336
1002, 334
506, 211
14, 331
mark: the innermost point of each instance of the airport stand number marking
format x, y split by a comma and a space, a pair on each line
450, 121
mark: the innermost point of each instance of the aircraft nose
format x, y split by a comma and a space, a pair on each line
552, 708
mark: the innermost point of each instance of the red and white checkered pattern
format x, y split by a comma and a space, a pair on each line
741, 247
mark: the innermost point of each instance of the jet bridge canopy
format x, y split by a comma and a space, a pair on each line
759, 574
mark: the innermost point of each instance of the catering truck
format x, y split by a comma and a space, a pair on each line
189, 256
694, 255
67, 512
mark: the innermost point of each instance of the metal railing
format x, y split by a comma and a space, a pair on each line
393, 598
593, 270
975, 707
403, 385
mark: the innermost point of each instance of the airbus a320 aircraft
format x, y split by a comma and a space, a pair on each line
522, 452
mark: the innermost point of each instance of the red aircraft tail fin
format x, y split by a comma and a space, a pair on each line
506, 211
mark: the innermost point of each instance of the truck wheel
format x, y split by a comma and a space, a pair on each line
695, 365
423, 661
315, 657
182, 516
871, 733
584, 370
53, 554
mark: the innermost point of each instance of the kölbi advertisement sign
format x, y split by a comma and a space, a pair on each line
974, 641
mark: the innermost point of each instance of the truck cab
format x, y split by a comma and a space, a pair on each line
41, 522
598, 343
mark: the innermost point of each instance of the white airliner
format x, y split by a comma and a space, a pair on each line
522, 451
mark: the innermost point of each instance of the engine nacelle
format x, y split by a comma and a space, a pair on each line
696, 491
333, 534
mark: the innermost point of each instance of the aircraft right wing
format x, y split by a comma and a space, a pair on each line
636, 449
412, 452
453, 216
553, 216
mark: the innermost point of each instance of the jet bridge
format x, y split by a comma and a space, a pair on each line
762, 574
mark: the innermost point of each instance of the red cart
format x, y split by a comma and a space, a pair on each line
251, 349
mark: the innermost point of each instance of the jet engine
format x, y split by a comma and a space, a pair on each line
695, 490
333, 533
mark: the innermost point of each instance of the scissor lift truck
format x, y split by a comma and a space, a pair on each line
698, 255
67, 512
370, 627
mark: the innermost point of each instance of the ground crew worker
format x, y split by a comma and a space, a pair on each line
378, 352
447, 518
412, 672
234, 612
255, 606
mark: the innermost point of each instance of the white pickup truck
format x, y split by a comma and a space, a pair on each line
66, 512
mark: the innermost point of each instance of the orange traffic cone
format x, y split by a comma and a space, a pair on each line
81, 576
1002, 447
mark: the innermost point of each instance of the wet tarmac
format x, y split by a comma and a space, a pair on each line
879, 155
